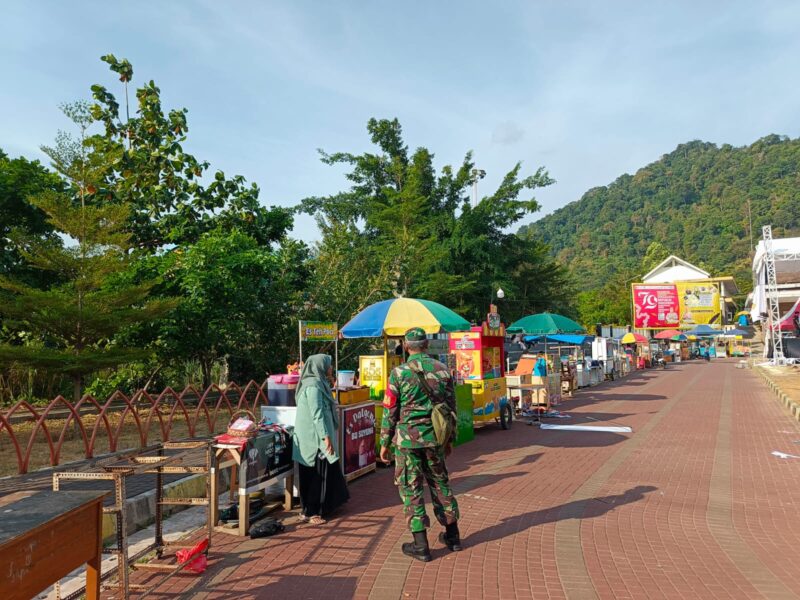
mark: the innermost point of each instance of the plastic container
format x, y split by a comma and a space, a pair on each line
345, 379
281, 388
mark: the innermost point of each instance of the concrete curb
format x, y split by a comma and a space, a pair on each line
792, 406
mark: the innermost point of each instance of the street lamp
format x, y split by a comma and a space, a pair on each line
500, 293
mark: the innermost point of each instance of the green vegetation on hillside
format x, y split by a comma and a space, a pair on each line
693, 202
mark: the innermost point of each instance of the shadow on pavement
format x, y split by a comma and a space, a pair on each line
636, 397
577, 509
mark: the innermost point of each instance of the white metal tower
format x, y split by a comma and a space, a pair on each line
774, 320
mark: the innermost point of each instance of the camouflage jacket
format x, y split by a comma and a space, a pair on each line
406, 406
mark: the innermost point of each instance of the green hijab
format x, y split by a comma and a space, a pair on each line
315, 374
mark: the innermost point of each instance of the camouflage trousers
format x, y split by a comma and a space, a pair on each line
412, 468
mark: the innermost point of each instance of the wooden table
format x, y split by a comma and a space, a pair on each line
534, 388
45, 536
248, 475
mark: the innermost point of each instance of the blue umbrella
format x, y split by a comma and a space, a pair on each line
703, 330
737, 332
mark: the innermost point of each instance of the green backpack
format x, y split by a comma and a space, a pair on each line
443, 419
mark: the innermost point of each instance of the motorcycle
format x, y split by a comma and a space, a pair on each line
661, 361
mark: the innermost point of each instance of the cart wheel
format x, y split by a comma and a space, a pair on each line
506, 416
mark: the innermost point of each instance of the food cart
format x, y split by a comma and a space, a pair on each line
605, 351
480, 362
389, 320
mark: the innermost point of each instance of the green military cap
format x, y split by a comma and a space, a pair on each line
416, 334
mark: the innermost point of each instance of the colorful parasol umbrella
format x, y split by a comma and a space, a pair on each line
667, 334
395, 317
703, 330
633, 338
545, 324
679, 338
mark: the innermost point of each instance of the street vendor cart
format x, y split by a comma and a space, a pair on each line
389, 320
480, 362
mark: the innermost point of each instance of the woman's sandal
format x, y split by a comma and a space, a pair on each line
317, 520
304, 518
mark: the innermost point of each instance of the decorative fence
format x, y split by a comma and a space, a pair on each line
35, 437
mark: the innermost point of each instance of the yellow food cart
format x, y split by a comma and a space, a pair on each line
480, 362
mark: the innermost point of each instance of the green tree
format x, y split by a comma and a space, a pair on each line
653, 256
239, 303
19, 179
425, 238
70, 326
697, 201
144, 165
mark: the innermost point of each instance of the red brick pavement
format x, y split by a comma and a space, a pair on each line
691, 505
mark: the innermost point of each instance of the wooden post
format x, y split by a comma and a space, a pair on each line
94, 565
244, 501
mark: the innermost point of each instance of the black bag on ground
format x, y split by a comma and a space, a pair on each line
267, 527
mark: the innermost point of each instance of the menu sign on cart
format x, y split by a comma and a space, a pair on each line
656, 306
358, 438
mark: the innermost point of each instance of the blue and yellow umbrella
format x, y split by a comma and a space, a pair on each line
395, 317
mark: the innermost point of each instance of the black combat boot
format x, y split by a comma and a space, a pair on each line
451, 538
419, 547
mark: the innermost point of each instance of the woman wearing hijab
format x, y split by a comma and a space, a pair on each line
322, 485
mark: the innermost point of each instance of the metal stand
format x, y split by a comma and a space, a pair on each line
184, 459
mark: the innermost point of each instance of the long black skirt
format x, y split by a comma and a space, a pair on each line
322, 488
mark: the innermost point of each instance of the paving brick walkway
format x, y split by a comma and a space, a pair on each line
691, 505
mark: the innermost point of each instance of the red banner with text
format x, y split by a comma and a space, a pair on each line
656, 306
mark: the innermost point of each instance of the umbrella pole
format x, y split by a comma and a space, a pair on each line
385, 362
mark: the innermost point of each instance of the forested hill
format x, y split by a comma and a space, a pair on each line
693, 201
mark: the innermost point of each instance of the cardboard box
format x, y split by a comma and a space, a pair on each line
353, 396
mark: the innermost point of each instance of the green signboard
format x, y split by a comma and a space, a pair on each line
318, 331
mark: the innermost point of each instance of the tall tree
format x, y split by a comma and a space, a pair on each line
146, 167
72, 323
426, 238
239, 303
19, 179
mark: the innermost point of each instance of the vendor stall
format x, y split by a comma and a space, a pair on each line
389, 320
735, 342
256, 464
606, 351
565, 333
480, 362
637, 348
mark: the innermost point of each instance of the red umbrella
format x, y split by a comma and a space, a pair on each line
667, 334
633, 338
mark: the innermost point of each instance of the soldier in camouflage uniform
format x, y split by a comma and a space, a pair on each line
407, 424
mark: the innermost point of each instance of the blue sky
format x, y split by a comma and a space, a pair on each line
590, 90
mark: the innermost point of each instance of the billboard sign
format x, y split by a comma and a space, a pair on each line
699, 303
655, 306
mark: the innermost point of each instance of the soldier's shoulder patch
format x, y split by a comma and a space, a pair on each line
389, 398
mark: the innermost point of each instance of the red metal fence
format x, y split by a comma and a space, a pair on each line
40, 436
